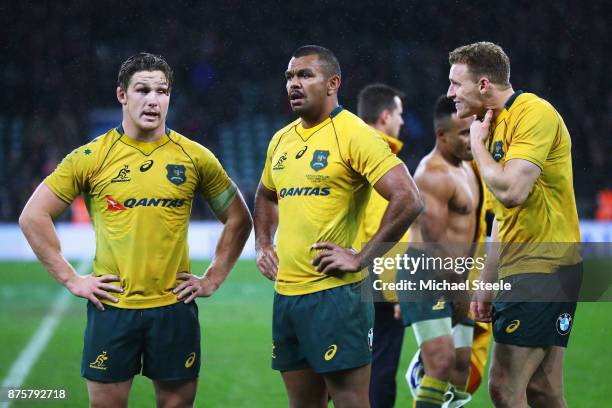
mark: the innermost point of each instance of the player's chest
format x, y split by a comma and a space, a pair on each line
319, 161
133, 175
467, 191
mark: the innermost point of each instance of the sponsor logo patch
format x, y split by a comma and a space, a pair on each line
303, 191
114, 205
564, 324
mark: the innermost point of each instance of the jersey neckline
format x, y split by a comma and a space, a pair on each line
306, 133
145, 147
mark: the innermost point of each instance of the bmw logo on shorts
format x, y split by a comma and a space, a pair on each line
564, 324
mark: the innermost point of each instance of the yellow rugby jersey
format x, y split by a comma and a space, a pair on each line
529, 128
140, 196
373, 213
321, 176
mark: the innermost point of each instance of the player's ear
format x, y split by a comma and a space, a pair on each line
121, 96
484, 85
384, 116
333, 84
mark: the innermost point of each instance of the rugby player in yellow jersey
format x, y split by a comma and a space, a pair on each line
453, 220
313, 189
523, 151
140, 179
380, 106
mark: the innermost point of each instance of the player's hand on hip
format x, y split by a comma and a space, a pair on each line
192, 286
267, 261
482, 306
94, 288
333, 258
479, 130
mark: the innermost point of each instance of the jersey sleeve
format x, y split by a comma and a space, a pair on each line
215, 184
71, 176
534, 135
371, 156
266, 175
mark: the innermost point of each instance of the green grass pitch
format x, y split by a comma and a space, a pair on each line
236, 344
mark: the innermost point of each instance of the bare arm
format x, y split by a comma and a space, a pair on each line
405, 204
266, 223
237, 225
510, 182
36, 222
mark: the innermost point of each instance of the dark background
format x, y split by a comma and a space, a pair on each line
59, 62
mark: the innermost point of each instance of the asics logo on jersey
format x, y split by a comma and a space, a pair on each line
304, 191
301, 152
122, 176
146, 165
331, 352
513, 326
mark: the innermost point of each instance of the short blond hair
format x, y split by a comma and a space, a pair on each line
484, 59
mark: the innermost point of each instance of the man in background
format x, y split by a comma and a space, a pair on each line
380, 106
453, 220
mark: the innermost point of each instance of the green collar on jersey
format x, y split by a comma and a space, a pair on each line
336, 111
511, 100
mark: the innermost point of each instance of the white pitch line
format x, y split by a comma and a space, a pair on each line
21, 367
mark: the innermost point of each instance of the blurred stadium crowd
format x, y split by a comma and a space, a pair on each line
59, 62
